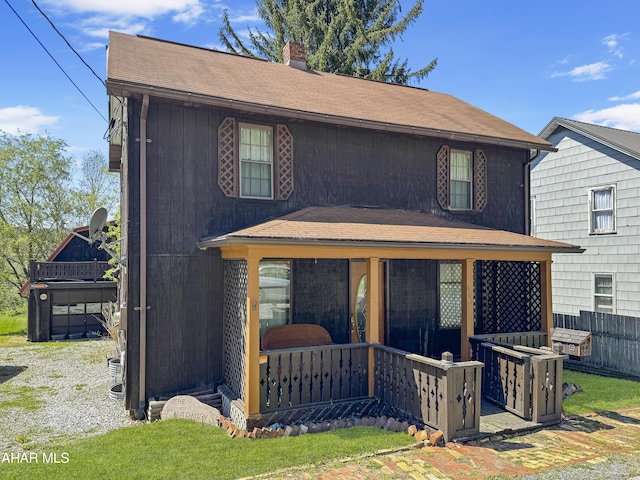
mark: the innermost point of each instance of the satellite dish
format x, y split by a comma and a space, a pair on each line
97, 223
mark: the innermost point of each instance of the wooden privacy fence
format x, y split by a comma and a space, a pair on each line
523, 380
441, 394
303, 376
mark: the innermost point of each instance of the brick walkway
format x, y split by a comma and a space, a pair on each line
583, 440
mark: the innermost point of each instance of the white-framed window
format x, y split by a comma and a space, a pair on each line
461, 180
450, 275
256, 161
602, 209
603, 292
275, 293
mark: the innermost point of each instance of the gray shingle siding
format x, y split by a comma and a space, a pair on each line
560, 183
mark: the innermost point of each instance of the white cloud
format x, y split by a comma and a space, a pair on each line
190, 15
613, 44
592, 71
141, 8
633, 96
625, 117
98, 26
23, 119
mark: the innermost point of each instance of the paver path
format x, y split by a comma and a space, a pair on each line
585, 441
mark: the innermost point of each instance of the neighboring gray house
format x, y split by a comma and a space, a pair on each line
588, 194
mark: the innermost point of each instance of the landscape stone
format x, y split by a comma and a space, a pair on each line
303, 429
190, 408
422, 436
412, 430
288, 430
437, 438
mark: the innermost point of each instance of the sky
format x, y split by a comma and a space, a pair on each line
525, 62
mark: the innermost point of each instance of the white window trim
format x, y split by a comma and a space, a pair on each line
255, 127
471, 182
533, 219
592, 230
613, 291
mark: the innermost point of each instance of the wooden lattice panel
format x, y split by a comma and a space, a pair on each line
284, 159
443, 177
511, 297
480, 180
235, 324
227, 163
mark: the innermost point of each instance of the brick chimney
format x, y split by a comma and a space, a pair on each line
294, 55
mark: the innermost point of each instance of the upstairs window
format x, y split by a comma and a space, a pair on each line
602, 214
462, 179
256, 161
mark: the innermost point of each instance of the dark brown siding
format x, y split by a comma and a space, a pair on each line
332, 166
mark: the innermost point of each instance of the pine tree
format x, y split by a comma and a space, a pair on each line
351, 37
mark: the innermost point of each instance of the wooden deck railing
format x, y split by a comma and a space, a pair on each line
442, 394
48, 271
524, 380
303, 376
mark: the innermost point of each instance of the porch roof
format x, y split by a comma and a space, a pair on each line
380, 228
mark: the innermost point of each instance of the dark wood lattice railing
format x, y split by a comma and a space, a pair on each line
303, 376
441, 394
523, 380
55, 271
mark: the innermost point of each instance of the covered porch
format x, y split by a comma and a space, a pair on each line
400, 338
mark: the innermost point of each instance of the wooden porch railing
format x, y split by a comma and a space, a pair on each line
442, 394
47, 271
523, 380
303, 376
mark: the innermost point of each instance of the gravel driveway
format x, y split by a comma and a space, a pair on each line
68, 385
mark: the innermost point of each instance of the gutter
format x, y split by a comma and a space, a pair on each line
121, 88
143, 258
226, 241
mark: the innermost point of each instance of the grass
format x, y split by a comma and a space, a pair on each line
600, 394
13, 327
23, 396
177, 449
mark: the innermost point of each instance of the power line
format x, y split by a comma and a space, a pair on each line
67, 42
55, 61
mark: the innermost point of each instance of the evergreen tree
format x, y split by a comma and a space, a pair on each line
351, 37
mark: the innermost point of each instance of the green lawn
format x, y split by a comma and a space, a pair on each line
600, 393
13, 327
181, 449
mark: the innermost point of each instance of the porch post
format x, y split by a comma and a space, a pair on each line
546, 293
252, 354
373, 318
467, 329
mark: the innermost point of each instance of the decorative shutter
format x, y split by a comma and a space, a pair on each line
227, 158
480, 180
284, 163
443, 177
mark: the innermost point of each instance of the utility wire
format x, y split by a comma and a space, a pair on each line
54, 60
67, 42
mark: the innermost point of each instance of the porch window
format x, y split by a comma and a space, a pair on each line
461, 184
256, 161
450, 273
602, 217
275, 288
603, 292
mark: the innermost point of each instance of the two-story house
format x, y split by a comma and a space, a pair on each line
587, 193
257, 195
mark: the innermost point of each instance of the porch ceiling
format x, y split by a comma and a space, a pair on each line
384, 230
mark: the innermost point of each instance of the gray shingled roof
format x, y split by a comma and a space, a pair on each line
622, 140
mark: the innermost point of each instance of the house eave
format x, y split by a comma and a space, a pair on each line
229, 241
127, 89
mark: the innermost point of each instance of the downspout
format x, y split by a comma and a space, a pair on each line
143, 257
527, 193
